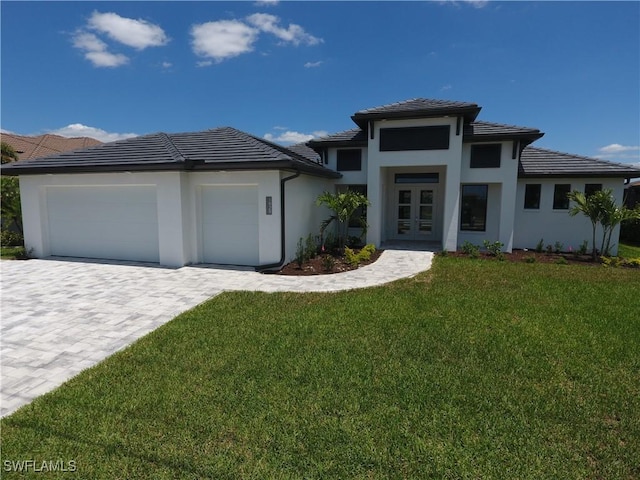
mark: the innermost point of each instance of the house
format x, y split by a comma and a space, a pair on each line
432, 172
29, 147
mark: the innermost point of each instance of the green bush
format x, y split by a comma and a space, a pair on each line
354, 259
540, 246
11, 239
470, 249
630, 231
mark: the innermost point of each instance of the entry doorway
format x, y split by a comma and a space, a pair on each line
414, 212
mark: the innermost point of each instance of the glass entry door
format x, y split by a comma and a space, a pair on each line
414, 213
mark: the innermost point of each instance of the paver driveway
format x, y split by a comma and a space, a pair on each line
60, 317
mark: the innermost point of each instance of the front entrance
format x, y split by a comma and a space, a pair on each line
414, 212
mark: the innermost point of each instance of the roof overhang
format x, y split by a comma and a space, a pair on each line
469, 113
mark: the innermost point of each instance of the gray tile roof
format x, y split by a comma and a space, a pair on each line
353, 137
305, 151
486, 131
538, 162
222, 148
417, 107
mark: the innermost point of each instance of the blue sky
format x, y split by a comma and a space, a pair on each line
291, 70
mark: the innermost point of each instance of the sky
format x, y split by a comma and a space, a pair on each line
291, 71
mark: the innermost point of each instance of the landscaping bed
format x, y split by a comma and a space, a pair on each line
327, 263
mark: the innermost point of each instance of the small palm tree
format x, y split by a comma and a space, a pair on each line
590, 208
343, 205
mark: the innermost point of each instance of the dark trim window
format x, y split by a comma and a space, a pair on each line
414, 138
486, 156
417, 178
560, 199
532, 196
349, 160
361, 212
591, 188
473, 215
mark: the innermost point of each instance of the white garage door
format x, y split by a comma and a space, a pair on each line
111, 222
229, 219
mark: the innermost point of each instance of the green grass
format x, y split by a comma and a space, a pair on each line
628, 251
475, 369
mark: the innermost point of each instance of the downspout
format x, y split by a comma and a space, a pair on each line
283, 243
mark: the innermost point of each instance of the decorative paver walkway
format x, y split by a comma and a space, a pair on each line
61, 316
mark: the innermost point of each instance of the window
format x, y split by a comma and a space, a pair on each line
532, 196
473, 216
560, 199
591, 188
417, 178
349, 160
486, 156
414, 138
361, 212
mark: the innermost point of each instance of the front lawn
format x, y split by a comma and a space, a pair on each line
628, 251
475, 369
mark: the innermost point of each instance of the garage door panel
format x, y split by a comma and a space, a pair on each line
111, 222
230, 224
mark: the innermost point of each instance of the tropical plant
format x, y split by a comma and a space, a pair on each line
343, 205
589, 207
8, 153
601, 208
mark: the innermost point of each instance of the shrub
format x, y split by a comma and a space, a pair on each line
611, 261
630, 231
494, 248
364, 255
540, 246
470, 249
583, 248
558, 247
530, 259
634, 262
328, 263
561, 261
9, 238
306, 250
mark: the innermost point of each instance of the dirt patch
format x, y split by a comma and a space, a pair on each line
326, 263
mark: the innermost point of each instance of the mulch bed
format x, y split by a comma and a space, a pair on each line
317, 265
531, 256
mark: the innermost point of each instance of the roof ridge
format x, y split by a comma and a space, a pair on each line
171, 147
329, 135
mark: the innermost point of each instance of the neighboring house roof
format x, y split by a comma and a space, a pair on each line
539, 162
222, 148
28, 147
417, 108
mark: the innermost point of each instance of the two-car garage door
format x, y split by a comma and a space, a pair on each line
111, 222
121, 223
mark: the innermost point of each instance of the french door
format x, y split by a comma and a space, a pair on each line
414, 213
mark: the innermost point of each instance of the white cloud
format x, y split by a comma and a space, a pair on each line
615, 148
294, 34
473, 3
290, 137
80, 130
167, 64
222, 40
446, 87
266, 3
138, 34
313, 64
95, 50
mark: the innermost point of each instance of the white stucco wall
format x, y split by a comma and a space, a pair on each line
378, 187
556, 225
303, 216
179, 233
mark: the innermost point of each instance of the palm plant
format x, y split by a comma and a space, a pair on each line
590, 208
343, 205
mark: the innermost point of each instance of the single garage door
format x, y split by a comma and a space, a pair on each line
110, 222
229, 219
